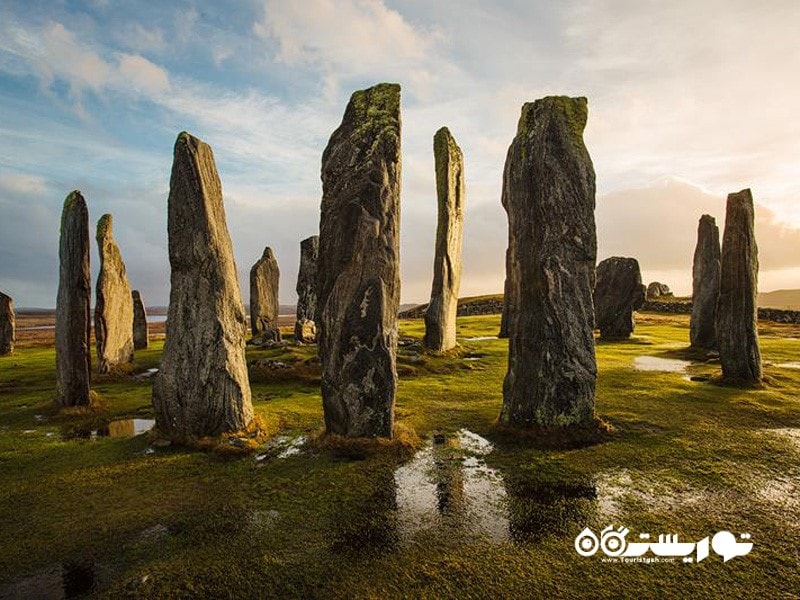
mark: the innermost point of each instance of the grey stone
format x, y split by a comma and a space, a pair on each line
305, 329
507, 312
73, 306
141, 330
7, 324
440, 317
737, 311
202, 388
656, 290
358, 269
705, 284
264, 302
548, 193
113, 311
618, 292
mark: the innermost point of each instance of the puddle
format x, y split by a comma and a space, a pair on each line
56, 582
795, 364
146, 374
472, 358
481, 338
283, 446
655, 363
119, 428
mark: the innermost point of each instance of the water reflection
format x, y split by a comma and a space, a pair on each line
61, 581
118, 428
655, 363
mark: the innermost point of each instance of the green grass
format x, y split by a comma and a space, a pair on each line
685, 457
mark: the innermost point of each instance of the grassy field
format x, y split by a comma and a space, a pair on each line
476, 514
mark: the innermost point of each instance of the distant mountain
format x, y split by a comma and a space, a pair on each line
784, 299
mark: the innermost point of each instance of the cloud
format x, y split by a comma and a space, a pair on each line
22, 184
142, 74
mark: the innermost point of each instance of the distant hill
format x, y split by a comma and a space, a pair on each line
783, 299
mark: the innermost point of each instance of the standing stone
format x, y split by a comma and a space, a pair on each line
141, 330
305, 329
73, 306
705, 284
7, 324
505, 316
113, 311
658, 290
548, 193
737, 309
440, 316
264, 303
618, 292
202, 388
358, 270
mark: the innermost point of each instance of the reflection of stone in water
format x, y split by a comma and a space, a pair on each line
56, 582
481, 338
123, 428
655, 363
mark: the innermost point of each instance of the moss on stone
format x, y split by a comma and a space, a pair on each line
104, 227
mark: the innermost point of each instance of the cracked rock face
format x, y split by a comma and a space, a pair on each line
705, 284
618, 292
305, 329
141, 330
264, 303
113, 311
737, 308
548, 193
73, 305
440, 316
7, 324
358, 269
202, 387
658, 290
507, 312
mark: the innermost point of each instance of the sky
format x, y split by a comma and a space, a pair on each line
688, 101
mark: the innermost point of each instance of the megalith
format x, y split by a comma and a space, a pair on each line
264, 302
705, 284
305, 328
618, 292
141, 330
7, 324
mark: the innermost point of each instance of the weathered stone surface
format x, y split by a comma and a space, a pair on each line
548, 193
737, 318
705, 284
305, 329
73, 305
507, 312
7, 324
618, 292
440, 318
202, 388
141, 330
113, 311
358, 268
264, 303
658, 290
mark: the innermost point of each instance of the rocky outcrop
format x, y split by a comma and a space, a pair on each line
358, 269
440, 318
305, 329
264, 303
618, 292
737, 313
202, 387
141, 330
73, 305
705, 284
658, 290
7, 325
548, 193
113, 311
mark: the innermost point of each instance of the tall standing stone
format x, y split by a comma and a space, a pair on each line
141, 330
507, 312
7, 325
358, 269
202, 388
305, 327
705, 284
73, 306
264, 302
618, 292
440, 316
737, 308
548, 193
113, 311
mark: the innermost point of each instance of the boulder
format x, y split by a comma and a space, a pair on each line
73, 306
113, 311
202, 388
358, 269
658, 290
618, 292
549, 195
440, 317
